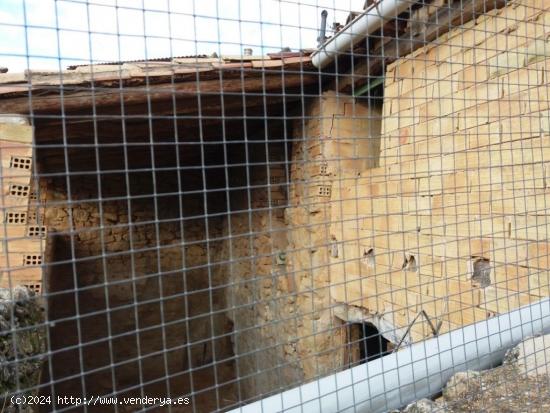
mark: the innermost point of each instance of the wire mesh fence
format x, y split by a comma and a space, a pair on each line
272, 205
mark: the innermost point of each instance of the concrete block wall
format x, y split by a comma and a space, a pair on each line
454, 220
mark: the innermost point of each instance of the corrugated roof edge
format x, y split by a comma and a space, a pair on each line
110, 76
198, 58
121, 62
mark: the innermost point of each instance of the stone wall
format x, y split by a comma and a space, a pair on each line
146, 298
158, 290
22, 345
259, 298
279, 251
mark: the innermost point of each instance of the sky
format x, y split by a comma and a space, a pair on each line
52, 34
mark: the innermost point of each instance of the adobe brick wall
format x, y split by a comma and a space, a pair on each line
462, 182
339, 135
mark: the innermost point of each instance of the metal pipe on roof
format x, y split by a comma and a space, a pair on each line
367, 23
323, 31
418, 371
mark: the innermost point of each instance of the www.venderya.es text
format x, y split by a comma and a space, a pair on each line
99, 401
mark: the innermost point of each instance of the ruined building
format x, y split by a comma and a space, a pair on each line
228, 227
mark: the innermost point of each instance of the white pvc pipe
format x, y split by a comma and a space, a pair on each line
414, 372
358, 29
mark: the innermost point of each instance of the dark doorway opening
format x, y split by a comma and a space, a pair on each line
365, 343
372, 344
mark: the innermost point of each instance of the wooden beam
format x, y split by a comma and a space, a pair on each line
65, 99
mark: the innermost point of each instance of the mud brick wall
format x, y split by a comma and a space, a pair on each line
338, 135
277, 248
455, 221
258, 292
142, 277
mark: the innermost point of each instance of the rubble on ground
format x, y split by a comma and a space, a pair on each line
22, 342
531, 356
520, 384
421, 406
